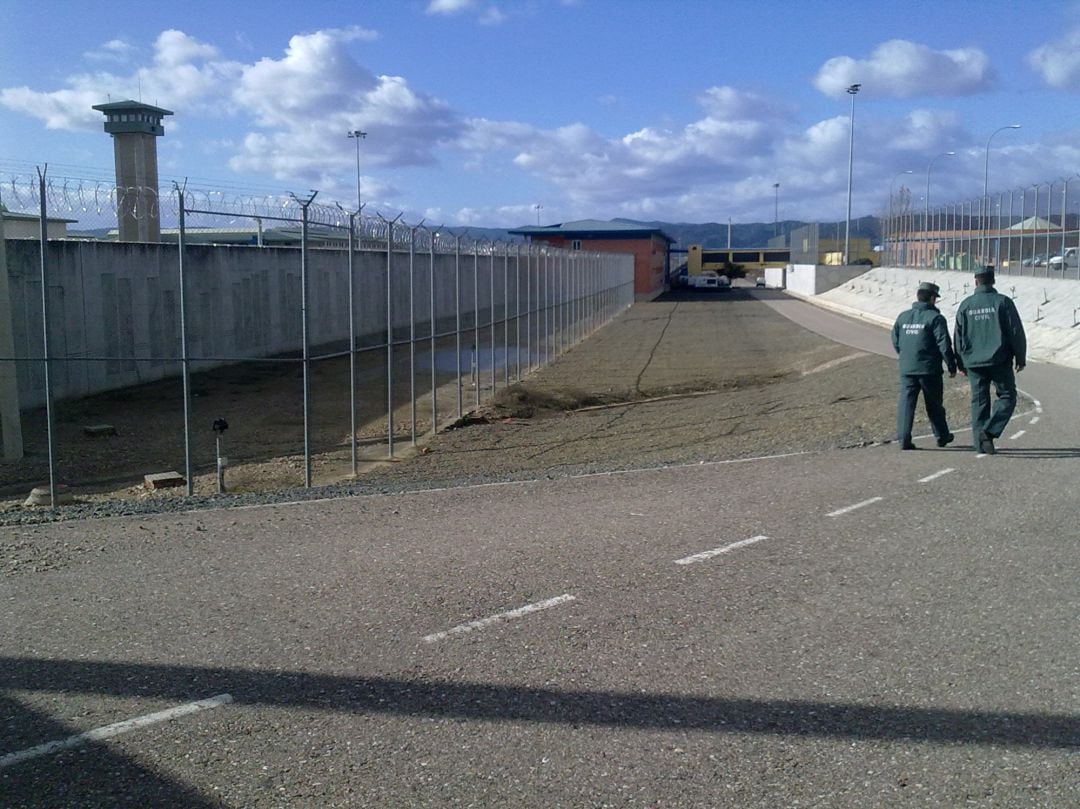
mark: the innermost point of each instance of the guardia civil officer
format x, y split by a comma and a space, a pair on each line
921, 339
990, 342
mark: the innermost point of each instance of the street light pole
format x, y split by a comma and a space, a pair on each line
986, 179
926, 211
776, 209
358, 136
852, 90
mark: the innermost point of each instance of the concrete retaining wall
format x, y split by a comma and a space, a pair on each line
813, 279
1049, 307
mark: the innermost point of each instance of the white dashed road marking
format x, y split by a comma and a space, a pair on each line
1034, 420
502, 616
701, 557
852, 507
833, 363
115, 729
936, 475
1016, 435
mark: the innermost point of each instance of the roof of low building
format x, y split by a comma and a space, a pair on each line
593, 229
28, 217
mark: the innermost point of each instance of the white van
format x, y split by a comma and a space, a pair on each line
1069, 259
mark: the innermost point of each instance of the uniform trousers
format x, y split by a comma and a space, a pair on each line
993, 420
932, 389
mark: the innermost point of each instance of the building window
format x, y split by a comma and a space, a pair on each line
575, 244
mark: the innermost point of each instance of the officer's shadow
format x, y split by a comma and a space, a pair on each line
1027, 453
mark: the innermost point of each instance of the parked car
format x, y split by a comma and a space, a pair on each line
760, 282
706, 279
1035, 261
1067, 260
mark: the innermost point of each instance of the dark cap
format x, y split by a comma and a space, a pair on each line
986, 270
933, 289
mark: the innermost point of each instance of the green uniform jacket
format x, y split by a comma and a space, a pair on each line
988, 330
921, 338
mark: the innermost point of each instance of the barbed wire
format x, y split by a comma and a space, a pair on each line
94, 207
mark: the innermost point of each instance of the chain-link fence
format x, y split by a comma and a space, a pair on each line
1032, 231
340, 336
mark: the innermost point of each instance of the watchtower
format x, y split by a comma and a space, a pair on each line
134, 126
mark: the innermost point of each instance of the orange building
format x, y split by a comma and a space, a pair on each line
650, 247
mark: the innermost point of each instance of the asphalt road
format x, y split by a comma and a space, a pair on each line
860, 628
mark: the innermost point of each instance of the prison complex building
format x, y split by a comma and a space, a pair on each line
650, 247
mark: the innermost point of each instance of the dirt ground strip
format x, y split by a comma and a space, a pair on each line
688, 377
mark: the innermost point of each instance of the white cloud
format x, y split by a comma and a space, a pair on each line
923, 131
635, 173
905, 69
449, 6
115, 50
317, 92
1058, 62
61, 109
492, 16
489, 14
184, 73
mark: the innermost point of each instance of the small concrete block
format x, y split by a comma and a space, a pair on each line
163, 480
99, 429
39, 495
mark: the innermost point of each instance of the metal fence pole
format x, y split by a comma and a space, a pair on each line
1064, 205
431, 322
390, 336
304, 333
491, 310
545, 274
1049, 220
185, 365
352, 343
506, 315
528, 308
517, 311
412, 330
474, 355
1023, 219
50, 438
457, 319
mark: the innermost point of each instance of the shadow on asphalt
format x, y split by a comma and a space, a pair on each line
732, 295
26, 728
1038, 453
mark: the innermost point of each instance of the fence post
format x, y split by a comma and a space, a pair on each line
474, 355
431, 326
304, 333
457, 319
352, 341
185, 365
412, 328
517, 312
491, 311
390, 335
44, 222
506, 315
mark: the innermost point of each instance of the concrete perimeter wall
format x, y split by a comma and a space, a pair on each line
813, 279
117, 306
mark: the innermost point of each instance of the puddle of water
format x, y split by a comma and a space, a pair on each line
446, 361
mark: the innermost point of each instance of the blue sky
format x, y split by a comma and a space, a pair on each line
477, 111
